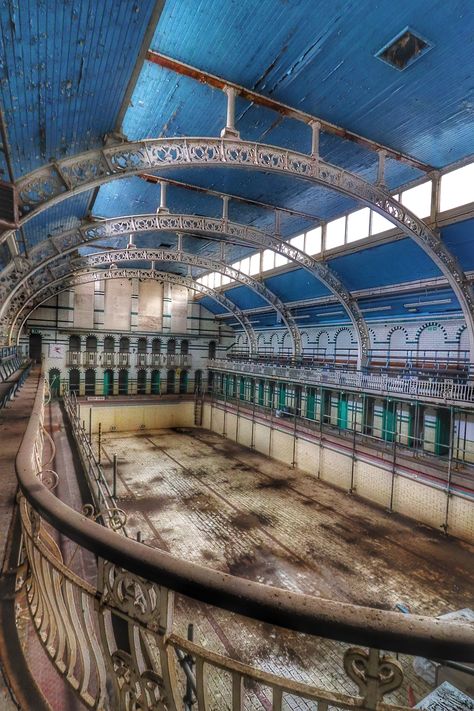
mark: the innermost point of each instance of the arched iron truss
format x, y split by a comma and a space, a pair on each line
68, 281
52, 249
57, 181
193, 260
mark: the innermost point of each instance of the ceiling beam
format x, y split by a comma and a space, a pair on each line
147, 40
254, 97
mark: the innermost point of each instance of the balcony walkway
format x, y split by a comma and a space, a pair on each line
211, 501
19, 642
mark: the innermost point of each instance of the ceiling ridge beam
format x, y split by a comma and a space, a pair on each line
142, 56
254, 97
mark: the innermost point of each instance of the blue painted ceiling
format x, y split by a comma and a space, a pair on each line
64, 70
65, 67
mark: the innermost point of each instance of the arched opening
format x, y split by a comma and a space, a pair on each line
274, 344
183, 382
74, 343
171, 346
74, 379
463, 348
322, 346
141, 382
109, 344
198, 381
35, 347
91, 344
90, 381
141, 345
397, 348
54, 382
210, 381
122, 382
343, 347
156, 345
211, 351
185, 347
108, 382
431, 346
124, 345
155, 382
286, 346
170, 381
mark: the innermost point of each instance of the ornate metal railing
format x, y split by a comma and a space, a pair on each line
111, 359
12, 389
435, 390
120, 643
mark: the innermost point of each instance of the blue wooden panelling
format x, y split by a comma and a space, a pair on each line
320, 57
295, 285
64, 216
390, 263
64, 69
459, 239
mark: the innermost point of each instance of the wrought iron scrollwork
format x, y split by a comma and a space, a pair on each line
46, 186
376, 675
191, 224
164, 255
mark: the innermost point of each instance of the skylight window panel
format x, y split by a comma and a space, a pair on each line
418, 199
280, 260
254, 264
225, 279
211, 278
298, 241
313, 241
358, 224
217, 279
236, 265
457, 187
380, 224
245, 265
335, 233
268, 260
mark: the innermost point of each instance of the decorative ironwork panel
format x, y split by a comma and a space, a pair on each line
57, 181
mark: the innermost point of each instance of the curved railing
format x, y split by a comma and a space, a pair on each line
120, 641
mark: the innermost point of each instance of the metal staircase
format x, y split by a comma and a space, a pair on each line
198, 407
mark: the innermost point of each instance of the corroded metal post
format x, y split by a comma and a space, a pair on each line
99, 442
114, 481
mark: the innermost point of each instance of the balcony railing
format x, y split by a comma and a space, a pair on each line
142, 359
90, 359
73, 358
108, 359
118, 644
123, 360
429, 361
413, 387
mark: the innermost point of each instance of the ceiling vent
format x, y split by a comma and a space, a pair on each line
404, 49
